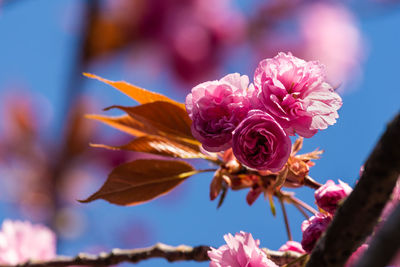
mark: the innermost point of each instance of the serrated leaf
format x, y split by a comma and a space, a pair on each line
160, 146
142, 180
141, 95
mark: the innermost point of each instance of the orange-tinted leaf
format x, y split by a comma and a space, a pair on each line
162, 116
123, 123
141, 95
142, 180
159, 145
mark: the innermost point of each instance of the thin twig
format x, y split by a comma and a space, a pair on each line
303, 204
356, 218
300, 208
285, 217
170, 253
310, 182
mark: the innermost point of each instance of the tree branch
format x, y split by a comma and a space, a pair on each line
170, 253
355, 219
385, 244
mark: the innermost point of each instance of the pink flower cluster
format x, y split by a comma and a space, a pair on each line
22, 241
327, 198
240, 250
289, 96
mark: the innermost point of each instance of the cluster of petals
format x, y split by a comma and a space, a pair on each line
240, 250
313, 229
295, 93
292, 246
22, 241
216, 108
330, 194
289, 96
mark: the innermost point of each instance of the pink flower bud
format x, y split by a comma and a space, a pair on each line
313, 229
292, 246
329, 195
240, 250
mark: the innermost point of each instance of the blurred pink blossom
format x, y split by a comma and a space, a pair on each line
21, 241
330, 34
329, 195
292, 246
356, 255
240, 250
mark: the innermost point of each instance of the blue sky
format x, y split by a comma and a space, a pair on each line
36, 51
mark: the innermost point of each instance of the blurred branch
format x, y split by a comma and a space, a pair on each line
385, 244
356, 218
170, 253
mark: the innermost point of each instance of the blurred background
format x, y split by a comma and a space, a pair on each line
169, 46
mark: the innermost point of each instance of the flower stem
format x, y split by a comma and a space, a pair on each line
285, 217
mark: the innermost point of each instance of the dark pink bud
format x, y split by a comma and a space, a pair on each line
313, 229
329, 195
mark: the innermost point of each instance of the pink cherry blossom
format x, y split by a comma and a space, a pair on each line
295, 93
292, 246
313, 229
329, 195
240, 250
21, 241
260, 143
216, 108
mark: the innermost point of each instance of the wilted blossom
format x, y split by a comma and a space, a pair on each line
356, 255
292, 246
216, 108
313, 229
329, 195
295, 93
21, 241
260, 143
240, 250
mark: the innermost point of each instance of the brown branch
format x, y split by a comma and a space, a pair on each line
356, 218
385, 244
170, 253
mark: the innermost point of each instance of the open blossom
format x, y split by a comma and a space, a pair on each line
313, 229
21, 241
216, 108
295, 93
240, 250
260, 143
292, 246
329, 195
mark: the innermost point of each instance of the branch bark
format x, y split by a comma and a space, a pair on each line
385, 244
170, 253
355, 219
